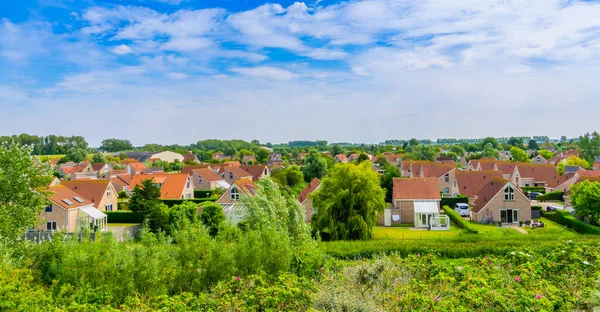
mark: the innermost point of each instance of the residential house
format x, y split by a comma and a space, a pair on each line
231, 199
190, 158
206, 179
502, 201
578, 179
416, 201
233, 173
572, 169
70, 212
167, 156
275, 160
135, 168
596, 165
563, 182
527, 174
101, 193
55, 182
249, 160
539, 160
153, 170
444, 174
100, 168
121, 182
341, 158
232, 163
305, 199
562, 157
446, 160
469, 183
353, 157
172, 186
257, 171
482, 164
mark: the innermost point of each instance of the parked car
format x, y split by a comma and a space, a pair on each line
462, 209
553, 208
534, 195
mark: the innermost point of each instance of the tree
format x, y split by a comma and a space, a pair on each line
459, 150
76, 155
518, 155
585, 198
387, 180
23, 189
422, 152
315, 166
337, 149
244, 152
213, 218
533, 145
489, 140
576, 161
349, 201
546, 154
362, 157
489, 151
116, 145
517, 142
98, 158
290, 176
145, 201
413, 142
262, 156
182, 215
590, 146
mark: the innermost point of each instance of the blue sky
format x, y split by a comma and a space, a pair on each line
177, 71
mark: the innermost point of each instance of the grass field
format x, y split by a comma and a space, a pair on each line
396, 233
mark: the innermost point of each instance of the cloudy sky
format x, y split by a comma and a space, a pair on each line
178, 71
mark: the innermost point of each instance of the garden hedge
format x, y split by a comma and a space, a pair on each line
565, 218
203, 193
460, 222
556, 195
451, 201
537, 189
122, 206
536, 207
123, 217
173, 202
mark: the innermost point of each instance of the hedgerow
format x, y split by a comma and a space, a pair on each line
460, 222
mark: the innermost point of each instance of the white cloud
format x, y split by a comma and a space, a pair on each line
177, 75
122, 49
266, 72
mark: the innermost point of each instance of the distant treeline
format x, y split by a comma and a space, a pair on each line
48, 145
450, 141
307, 143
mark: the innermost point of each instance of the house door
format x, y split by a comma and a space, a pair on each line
387, 217
509, 215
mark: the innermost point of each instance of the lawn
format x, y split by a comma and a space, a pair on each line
123, 224
399, 233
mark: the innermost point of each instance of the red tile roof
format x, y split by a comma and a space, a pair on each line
232, 163
309, 189
246, 186
257, 171
241, 173
208, 174
92, 190
98, 166
190, 157
416, 188
506, 167
469, 183
341, 157
60, 192
172, 185
540, 173
589, 173
137, 167
121, 180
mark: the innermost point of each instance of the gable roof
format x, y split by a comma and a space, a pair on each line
256, 171
341, 157
92, 190
189, 157
121, 180
506, 167
589, 173
61, 192
436, 170
309, 189
208, 174
189, 168
469, 183
137, 166
246, 186
416, 188
238, 171
98, 166
490, 190
540, 173
172, 185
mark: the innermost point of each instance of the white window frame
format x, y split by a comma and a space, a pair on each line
509, 193
108, 193
234, 194
108, 207
53, 226
447, 177
199, 179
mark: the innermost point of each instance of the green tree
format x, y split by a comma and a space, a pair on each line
245, 152
262, 155
182, 215
98, 158
585, 198
533, 145
76, 154
422, 152
546, 154
23, 189
387, 180
413, 142
576, 161
213, 217
459, 150
291, 176
116, 145
362, 157
518, 155
145, 201
337, 149
489, 151
314, 166
489, 140
590, 146
516, 142
349, 201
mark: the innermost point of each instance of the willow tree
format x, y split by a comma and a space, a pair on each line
348, 202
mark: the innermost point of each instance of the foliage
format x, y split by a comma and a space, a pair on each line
98, 159
515, 142
546, 154
585, 198
262, 156
451, 201
537, 189
181, 215
76, 155
576, 161
123, 217
362, 157
213, 218
203, 193
197, 201
349, 201
518, 155
460, 222
421, 152
565, 218
458, 150
23, 188
560, 168
387, 180
489, 140
48, 145
489, 151
122, 195
290, 176
590, 146
145, 201
314, 166
533, 145
115, 145
556, 195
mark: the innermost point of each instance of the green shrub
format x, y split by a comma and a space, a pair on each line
536, 207
123, 206
565, 218
203, 193
460, 222
123, 217
451, 201
537, 189
173, 202
212, 217
556, 195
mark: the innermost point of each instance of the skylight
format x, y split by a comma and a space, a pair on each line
78, 199
68, 202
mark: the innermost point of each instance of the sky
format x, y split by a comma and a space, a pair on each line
179, 71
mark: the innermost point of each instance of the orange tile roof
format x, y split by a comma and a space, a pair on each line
208, 174
189, 157
128, 160
488, 192
172, 185
92, 190
416, 188
589, 173
121, 180
137, 167
309, 189
469, 183
60, 192
98, 166
232, 163
506, 167
540, 173
241, 173
257, 171
246, 186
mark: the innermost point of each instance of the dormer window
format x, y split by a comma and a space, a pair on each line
199, 179
509, 194
447, 178
235, 194
230, 176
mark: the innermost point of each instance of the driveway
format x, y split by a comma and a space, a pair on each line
545, 205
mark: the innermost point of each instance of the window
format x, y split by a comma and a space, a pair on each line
446, 190
235, 194
51, 226
188, 196
188, 184
509, 193
49, 208
199, 179
454, 183
108, 207
539, 159
230, 176
447, 178
108, 193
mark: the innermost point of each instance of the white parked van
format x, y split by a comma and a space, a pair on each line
462, 209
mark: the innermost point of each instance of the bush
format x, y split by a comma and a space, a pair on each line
451, 201
123, 217
173, 202
557, 195
537, 189
565, 218
123, 206
460, 222
536, 207
212, 217
203, 193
